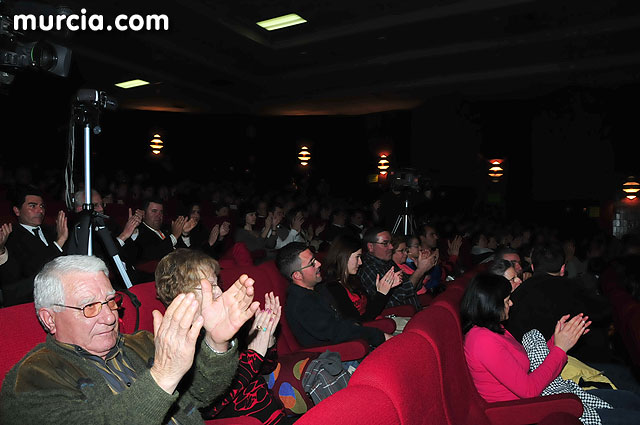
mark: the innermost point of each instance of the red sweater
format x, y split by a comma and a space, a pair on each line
499, 366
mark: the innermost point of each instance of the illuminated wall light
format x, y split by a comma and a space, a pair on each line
304, 156
495, 170
383, 164
156, 144
631, 187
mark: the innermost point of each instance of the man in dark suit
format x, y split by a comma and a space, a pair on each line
154, 243
127, 248
540, 301
29, 246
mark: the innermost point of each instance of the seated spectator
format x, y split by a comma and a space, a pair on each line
541, 299
312, 318
480, 251
356, 222
290, 230
28, 246
211, 242
340, 270
181, 272
253, 239
505, 269
87, 371
445, 264
377, 261
337, 226
152, 241
413, 244
499, 364
511, 255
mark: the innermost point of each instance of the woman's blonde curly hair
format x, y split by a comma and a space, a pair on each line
181, 271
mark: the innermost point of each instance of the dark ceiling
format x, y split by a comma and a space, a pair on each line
356, 56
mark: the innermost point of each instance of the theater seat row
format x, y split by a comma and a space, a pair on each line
421, 377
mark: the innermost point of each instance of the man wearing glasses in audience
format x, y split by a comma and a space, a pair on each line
377, 262
87, 372
311, 316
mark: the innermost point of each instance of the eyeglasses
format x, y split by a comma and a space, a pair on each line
405, 250
312, 263
93, 309
384, 243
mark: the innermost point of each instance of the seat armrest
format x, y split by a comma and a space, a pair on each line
350, 350
387, 326
532, 410
399, 310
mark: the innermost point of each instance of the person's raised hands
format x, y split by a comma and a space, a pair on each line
189, 225
213, 235
225, 315
224, 229
175, 336
5, 230
62, 231
388, 281
177, 226
262, 333
131, 225
454, 246
567, 333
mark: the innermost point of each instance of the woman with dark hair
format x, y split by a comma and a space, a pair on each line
211, 242
505, 269
339, 269
499, 364
254, 240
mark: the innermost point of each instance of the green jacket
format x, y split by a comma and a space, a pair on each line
55, 386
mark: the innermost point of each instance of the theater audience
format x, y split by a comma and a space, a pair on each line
181, 272
378, 260
505, 269
540, 300
499, 364
154, 241
29, 245
257, 242
340, 269
310, 314
87, 372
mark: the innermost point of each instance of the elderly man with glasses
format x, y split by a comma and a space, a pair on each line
309, 310
378, 260
87, 372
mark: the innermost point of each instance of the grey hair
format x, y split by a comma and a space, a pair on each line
78, 197
47, 285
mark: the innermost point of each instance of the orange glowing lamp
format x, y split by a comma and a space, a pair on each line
304, 156
383, 164
631, 187
156, 144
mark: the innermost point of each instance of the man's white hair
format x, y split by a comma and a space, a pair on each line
78, 197
47, 286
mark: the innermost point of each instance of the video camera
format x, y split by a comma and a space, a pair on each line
407, 179
21, 51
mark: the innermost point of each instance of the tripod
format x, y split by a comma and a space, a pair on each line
406, 220
86, 110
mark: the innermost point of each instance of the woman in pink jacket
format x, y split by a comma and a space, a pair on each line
499, 364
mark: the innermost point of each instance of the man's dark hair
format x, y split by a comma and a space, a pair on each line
498, 267
21, 193
147, 201
501, 252
371, 235
547, 258
483, 302
288, 258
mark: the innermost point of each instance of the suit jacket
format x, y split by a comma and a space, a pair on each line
542, 299
151, 247
27, 255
